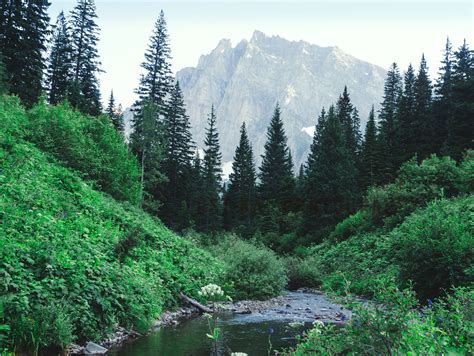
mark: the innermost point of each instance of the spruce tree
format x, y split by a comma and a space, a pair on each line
3, 77
461, 123
210, 220
196, 194
315, 145
331, 183
23, 33
443, 101
406, 138
115, 114
349, 119
370, 155
388, 122
155, 82
59, 73
276, 172
423, 126
84, 92
177, 162
240, 200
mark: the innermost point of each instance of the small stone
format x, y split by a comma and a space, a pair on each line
94, 349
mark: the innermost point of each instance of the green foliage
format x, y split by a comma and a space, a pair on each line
435, 247
395, 325
254, 270
302, 272
13, 121
88, 145
75, 262
416, 185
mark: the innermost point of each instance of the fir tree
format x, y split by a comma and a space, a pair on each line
210, 220
423, 125
84, 91
115, 114
370, 156
3, 77
59, 74
239, 201
315, 145
196, 198
443, 101
349, 118
388, 122
276, 172
23, 33
331, 183
461, 124
176, 162
155, 83
406, 138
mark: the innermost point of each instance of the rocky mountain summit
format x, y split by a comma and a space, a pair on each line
245, 82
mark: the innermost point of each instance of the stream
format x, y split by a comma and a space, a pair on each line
248, 333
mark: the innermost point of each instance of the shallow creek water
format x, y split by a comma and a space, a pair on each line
248, 333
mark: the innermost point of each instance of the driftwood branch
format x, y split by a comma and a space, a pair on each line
195, 303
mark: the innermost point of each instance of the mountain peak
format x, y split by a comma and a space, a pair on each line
258, 36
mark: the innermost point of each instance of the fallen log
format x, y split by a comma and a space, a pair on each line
195, 303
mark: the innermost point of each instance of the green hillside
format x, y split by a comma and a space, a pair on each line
76, 262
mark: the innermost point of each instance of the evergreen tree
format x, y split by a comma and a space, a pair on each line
84, 91
23, 32
196, 198
155, 83
331, 183
443, 102
59, 74
210, 220
239, 201
151, 148
388, 122
461, 124
316, 144
276, 172
370, 155
176, 162
423, 124
406, 138
115, 114
3, 77
349, 119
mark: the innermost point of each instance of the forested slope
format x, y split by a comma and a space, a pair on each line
76, 262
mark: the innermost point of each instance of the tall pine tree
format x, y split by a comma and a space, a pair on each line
388, 122
59, 73
210, 217
370, 155
423, 126
115, 114
240, 197
23, 32
276, 172
406, 138
331, 183
84, 91
3, 77
461, 124
177, 162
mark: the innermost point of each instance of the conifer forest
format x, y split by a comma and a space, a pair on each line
121, 234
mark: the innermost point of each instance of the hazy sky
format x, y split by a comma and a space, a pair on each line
379, 32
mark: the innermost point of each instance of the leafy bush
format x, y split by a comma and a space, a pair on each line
356, 223
415, 186
254, 270
13, 120
394, 325
302, 272
435, 247
89, 145
75, 262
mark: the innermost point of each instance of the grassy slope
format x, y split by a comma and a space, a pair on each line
74, 261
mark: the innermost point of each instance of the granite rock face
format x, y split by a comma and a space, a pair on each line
245, 82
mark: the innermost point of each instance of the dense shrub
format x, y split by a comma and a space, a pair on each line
89, 145
415, 186
396, 326
13, 120
302, 272
75, 262
435, 247
254, 270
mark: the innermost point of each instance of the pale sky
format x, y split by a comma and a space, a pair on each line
379, 32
